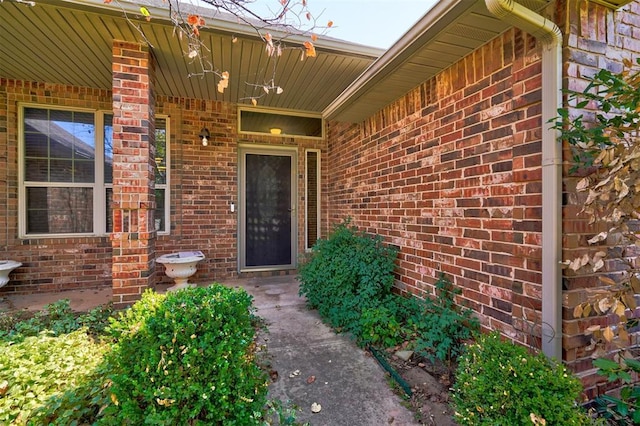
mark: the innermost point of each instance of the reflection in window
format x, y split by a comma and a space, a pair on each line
160, 170
62, 173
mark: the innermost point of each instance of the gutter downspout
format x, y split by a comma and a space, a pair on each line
551, 37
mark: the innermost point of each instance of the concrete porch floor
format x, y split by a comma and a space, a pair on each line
349, 385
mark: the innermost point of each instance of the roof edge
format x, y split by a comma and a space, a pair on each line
218, 23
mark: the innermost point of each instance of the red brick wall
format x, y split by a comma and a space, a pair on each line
451, 174
50, 264
203, 183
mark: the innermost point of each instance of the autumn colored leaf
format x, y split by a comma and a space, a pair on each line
254, 101
193, 19
593, 328
310, 49
145, 12
223, 84
624, 335
330, 24
314, 37
577, 311
607, 280
608, 334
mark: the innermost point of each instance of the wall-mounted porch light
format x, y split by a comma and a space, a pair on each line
275, 130
204, 136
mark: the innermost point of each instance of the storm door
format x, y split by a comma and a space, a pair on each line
267, 209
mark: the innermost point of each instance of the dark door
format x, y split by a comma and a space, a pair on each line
267, 209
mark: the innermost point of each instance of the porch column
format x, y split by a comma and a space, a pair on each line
133, 237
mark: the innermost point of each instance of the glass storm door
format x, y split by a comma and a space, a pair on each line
267, 209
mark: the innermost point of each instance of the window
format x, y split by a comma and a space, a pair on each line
280, 123
312, 199
66, 172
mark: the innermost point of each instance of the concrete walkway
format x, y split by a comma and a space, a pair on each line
348, 384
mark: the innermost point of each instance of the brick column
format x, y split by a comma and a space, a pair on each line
133, 237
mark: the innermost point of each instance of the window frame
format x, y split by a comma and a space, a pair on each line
98, 186
307, 245
283, 112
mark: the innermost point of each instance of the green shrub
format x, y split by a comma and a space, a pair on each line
499, 383
347, 274
187, 358
36, 370
441, 326
380, 327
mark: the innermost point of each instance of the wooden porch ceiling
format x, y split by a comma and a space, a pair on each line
70, 42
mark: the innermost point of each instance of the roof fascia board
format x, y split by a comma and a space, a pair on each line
434, 21
217, 25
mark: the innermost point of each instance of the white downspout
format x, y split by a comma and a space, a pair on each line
551, 37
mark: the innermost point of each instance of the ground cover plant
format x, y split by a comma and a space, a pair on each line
41, 354
187, 357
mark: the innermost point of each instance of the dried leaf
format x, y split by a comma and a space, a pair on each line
608, 334
630, 301
593, 328
587, 311
606, 280
577, 311
223, 84
604, 305
599, 264
537, 420
601, 236
624, 335
311, 379
619, 308
193, 54
193, 19
279, 90
315, 407
310, 49
330, 24
583, 184
254, 101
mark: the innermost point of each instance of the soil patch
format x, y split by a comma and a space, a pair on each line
429, 383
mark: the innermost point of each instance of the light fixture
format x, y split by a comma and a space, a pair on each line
204, 136
275, 130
